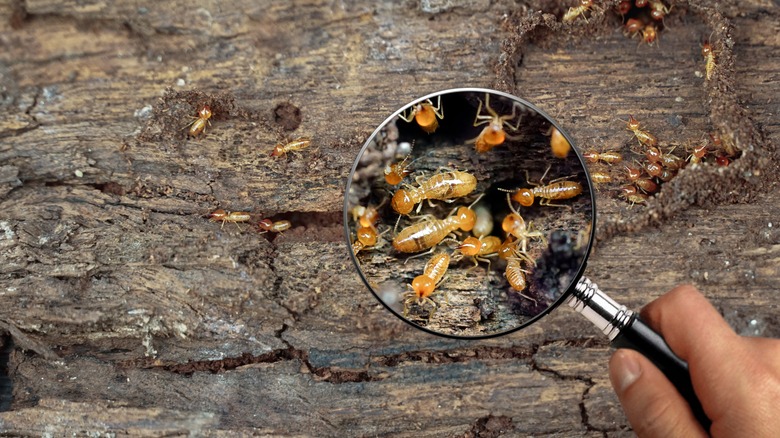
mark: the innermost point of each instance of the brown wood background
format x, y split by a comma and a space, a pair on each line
124, 311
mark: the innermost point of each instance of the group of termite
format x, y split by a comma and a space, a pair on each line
198, 127
640, 18
465, 231
645, 176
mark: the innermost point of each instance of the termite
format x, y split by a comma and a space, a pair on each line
658, 10
366, 216
643, 136
556, 190
633, 173
609, 157
515, 274
229, 216
624, 7
666, 175
429, 233
576, 11
698, 153
484, 224
267, 225
395, 173
493, 134
633, 26
514, 225
424, 285
647, 185
672, 162
425, 114
366, 238
201, 120
636, 198
294, 145
709, 57
600, 177
479, 248
559, 146
627, 190
654, 169
443, 186
649, 34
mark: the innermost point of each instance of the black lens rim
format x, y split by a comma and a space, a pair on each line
564, 296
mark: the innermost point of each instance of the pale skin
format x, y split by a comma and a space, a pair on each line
736, 378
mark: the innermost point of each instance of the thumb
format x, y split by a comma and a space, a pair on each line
652, 404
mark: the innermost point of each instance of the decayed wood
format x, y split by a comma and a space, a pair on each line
129, 312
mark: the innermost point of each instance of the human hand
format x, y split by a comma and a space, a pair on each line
737, 379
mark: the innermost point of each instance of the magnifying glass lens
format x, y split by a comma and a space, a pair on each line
469, 213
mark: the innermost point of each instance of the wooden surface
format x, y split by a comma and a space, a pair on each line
126, 311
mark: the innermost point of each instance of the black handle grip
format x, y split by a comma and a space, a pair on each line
638, 336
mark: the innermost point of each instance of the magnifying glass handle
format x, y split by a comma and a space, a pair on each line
626, 330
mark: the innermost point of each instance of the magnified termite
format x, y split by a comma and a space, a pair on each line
698, 153
478, 248
366, 238
514, 225
484, 224
424, 286
430, 232
223, 216
442, 186
395, 173
559, 146
515, 274
493, 134
198, 125
425, 114
557, 189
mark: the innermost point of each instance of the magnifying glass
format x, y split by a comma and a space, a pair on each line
470, 214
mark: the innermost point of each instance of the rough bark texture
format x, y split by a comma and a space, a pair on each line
125, 311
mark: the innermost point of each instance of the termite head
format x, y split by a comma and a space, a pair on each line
217, 215
649, 34
513, 222
423, 286
524, 197
466, 218
590, 157
402, 202
632, 123
366, 236
641, 3
706, 50
204, 112
265, 224
470, 246
278, 150
632, 173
